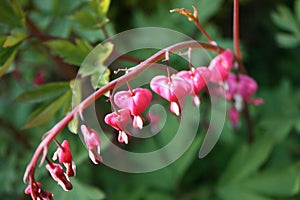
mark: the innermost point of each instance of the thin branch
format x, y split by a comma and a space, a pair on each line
236, 32
135, 71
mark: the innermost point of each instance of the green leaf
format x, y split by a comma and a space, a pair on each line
79, 191
285, 20
95, 61
71, 53
247, 160
7, 63
100, 79
85, 18
6, 53
276, 182
44, 92
237, 193
287, 40
44, 113
76, 100
11, 14
100, 7
208, 8
297, 9
14, 38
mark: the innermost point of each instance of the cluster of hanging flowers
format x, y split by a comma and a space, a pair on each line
133, 102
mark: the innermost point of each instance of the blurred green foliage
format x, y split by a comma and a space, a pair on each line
54, 36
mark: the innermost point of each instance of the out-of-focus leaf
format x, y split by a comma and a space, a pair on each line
277, 126
11, 14
297, 9
275, 182
100, 7
85, 18
76, 99
208, 8
285, 20
71, 53
44, 92
95, 61
247, 160
287, 40
79, 191
46, 112
6, 53
236, 192
6, 64
100, 79
14, 38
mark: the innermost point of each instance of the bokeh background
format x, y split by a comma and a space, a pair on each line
45, 41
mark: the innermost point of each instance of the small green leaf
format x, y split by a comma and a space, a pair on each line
7, 63
11, 14
100, 7
95, 61
247, 160
100, 79
287, 40
236, 192
44, 113
71, 53
85, 19
276, 182
76, 100
285, 20
79, 191
14, 38
44, 92
297, 10
6, 53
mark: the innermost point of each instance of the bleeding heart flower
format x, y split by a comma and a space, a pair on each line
58, 175
92, 142
197, 78
119, 120
242, 87
221, 65
173, 89
135, 101
64, 155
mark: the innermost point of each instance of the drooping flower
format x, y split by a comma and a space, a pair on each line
173, 89
36, 191
119, 121
135, 101
221, 65
59, 176
92, 142
198, 79
240, 89
64, 155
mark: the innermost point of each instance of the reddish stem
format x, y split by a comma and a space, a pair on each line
236, 33
135, 71
204, 32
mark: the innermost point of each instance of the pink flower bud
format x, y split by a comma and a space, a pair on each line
65, 157
173, 89
221, 65
36, 192
197, 78
92, 142
135, 101
58, 175
39, 78
119, 121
